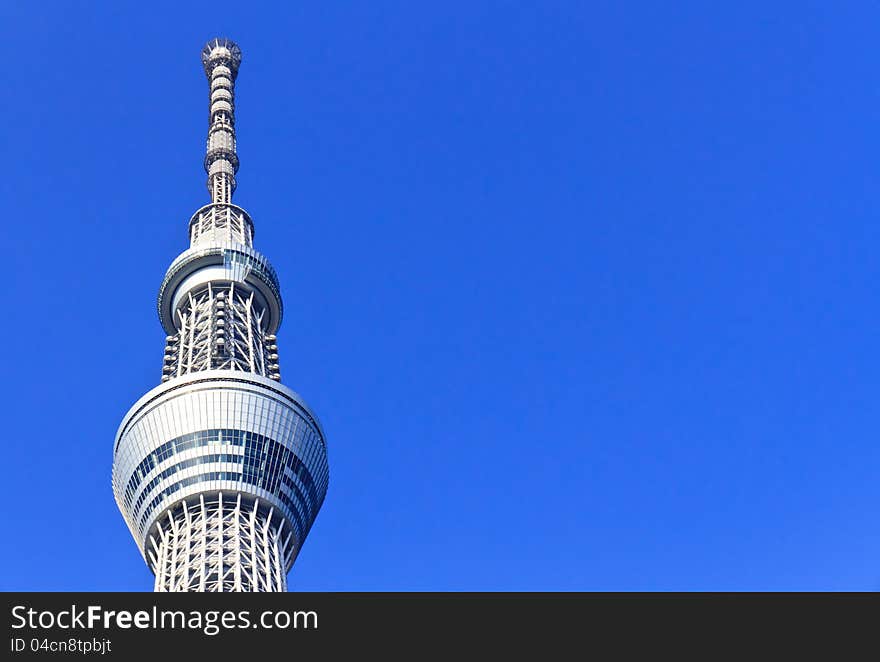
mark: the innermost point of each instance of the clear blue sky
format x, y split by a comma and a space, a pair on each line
584, 294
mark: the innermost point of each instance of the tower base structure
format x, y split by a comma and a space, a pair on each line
219, 544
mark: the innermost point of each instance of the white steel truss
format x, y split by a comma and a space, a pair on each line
221, 328
221, 223
220, 544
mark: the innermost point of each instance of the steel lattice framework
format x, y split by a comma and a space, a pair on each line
220, 545
220, 328
221, 470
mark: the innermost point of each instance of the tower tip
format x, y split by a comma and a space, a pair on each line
221, 50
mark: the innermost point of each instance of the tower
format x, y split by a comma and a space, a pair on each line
220, 470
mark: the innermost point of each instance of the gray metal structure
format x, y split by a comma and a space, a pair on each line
220, 470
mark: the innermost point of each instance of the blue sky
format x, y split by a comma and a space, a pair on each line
583, 293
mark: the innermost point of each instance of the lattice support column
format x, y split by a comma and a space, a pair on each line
221, 544
221, 328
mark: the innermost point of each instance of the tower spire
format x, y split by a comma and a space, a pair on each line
221, 59
220, 220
